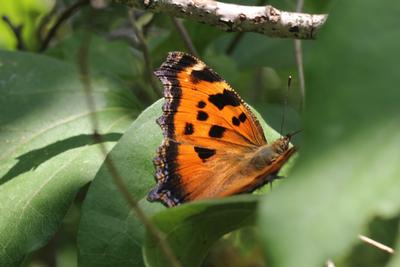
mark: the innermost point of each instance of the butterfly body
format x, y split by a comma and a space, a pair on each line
213, 144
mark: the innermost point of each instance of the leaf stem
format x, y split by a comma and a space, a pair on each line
185, 36
299, 61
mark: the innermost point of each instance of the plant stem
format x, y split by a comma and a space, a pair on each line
118, 179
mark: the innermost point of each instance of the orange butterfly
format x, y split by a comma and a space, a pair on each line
213, 144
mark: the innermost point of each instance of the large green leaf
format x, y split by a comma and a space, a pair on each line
111, 235
348, 170
193, 228
48, 152
25, 13
105, 55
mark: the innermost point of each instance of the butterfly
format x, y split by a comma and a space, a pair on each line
213, 144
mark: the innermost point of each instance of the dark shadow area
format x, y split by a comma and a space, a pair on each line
34, 158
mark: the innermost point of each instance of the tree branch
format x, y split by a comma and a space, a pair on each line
231, 17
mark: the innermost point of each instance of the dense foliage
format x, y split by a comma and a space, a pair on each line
59, 203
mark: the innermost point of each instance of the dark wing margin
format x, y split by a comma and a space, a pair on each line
167, 189
167, 73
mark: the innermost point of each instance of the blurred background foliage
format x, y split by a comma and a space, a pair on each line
255, 65
27, 13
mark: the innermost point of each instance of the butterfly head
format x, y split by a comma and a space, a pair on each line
282, 144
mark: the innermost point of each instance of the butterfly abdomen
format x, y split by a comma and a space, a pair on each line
263, 157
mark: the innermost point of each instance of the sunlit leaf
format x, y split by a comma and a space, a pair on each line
48, 152
118, 239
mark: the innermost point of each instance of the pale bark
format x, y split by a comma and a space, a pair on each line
239, 18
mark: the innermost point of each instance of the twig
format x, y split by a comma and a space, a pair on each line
146, 55
300, 71
44, 22
68, 12
299, 60
239, 36
299, 5
124, 33
231, 17
185, 36
99, 4
329, 263
376, 244
233, 44
369, 241
17, 30
118, 179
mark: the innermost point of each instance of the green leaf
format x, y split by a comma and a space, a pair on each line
348, 167
255, 50
48, 151
118, 239
26, 13
191, 229
109, 233
104, 55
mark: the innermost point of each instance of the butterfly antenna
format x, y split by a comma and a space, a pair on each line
290, 135
285, 103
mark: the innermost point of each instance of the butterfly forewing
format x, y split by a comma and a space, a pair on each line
198, 96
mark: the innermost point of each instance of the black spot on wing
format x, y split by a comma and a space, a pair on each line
242, 117
227, 98
216, 131
188, 129
201, 104
205, 74
187, 61
202, 116
204, 153
235, 121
